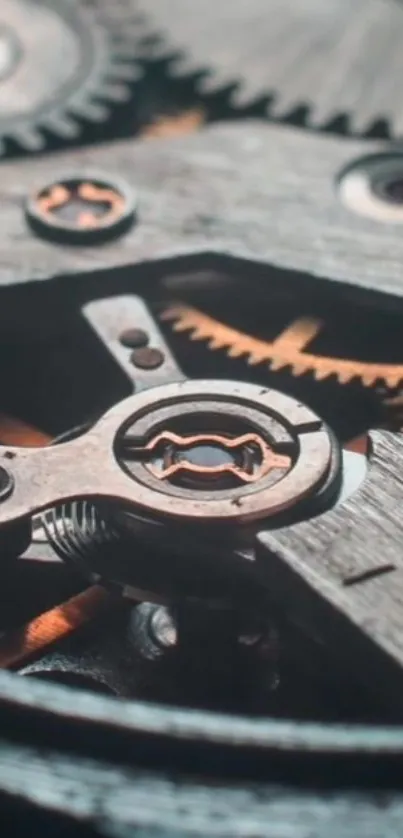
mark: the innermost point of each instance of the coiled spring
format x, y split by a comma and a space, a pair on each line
79, 530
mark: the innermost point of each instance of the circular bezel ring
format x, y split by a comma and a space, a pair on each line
245, 506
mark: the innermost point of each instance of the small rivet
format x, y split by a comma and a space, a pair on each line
147, 358
134, 338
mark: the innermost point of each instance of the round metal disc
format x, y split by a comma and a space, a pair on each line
270, 419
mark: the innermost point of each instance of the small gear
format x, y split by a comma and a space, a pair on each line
287, 351
337, 58
62, 63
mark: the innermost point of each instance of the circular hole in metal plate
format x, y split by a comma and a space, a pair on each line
373, 187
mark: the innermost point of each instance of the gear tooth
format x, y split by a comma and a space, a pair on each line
63, 126
116, 92
126, 72
240, 95
321, 375
79, 109
207, 82
154, 49
360, 122
170, 315
199, 334
277, 107
319, 115
182, 65
393, 379
181, 326
196, 332
368, 380
30, 139
96, 112
254, 360
299, 369
235, 352
347, 376
277, 364
122, 47
215, 344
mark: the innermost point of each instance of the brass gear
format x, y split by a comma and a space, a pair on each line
286, 351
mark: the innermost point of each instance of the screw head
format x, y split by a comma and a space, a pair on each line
81, 210
152, 631
163, 628
147, 358
134, 338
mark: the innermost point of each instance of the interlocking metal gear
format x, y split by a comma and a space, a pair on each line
335, 57
61, 65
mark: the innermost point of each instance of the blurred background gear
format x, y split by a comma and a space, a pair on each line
63, 66
81, 71
325, 62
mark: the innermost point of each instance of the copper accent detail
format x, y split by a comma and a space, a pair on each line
175, 125
60, 195
103, 473
359, 445
287, 350
20, 644
14, 431
270, 460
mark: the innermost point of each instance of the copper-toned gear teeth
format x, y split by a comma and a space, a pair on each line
287, 351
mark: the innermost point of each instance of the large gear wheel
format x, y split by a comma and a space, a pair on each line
286, 352
61, 63
337, 58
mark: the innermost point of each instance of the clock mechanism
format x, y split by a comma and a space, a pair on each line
251, 416
201, 414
